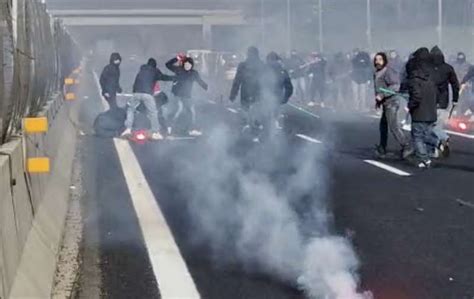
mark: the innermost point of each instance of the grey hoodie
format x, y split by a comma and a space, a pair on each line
386, 78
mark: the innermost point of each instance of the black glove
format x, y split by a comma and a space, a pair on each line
119, 90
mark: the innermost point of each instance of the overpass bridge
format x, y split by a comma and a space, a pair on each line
206, 18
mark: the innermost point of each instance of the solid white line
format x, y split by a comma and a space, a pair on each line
388, 168
233, 110
460, 134
304, 110
374, 116
307, 138
171, 272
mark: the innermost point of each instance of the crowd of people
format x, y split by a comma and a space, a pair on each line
424, 84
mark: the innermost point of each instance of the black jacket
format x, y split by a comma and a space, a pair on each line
444, 76
146, 79
110, 76
422, 88
183, 85
318, 70
248, 81
362, 69
278, 82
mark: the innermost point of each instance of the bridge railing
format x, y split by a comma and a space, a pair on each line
36, 54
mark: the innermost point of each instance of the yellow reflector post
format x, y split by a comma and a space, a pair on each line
35, 125
38, 165
69, 81
70, 96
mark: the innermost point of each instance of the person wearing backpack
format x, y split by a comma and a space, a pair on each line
422, 104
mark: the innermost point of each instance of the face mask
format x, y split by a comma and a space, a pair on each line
461, 58
117, 62
188, 66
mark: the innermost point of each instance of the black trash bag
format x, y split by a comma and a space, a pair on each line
110, 123
161, 99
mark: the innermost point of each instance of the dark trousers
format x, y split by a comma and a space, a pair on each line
390, 121
112, 100
318, 88
423, 139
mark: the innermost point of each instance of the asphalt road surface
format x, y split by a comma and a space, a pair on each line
412, 229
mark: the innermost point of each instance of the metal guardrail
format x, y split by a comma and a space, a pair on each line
36, 54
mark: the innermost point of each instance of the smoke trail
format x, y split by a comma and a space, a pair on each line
266, 209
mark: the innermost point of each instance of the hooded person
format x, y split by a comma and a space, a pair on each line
248, 81
422, 105
186, 75
277, 86
461, 66
387, 85
361, 76
143, 91
317, 72
444, 76
110, 80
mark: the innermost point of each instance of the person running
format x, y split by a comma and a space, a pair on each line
444, 76
186, 75
110, 80
248, 82
387, 85
422, 104
143, 90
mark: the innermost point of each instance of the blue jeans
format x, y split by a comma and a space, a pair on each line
424, 139
152, 112
440, 133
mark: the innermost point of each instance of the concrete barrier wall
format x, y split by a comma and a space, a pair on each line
33, 207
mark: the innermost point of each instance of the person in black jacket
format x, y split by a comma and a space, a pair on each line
422, 104
278, 88
361, 76
248, 82
444, 76
110, 80
183, 67
143, 90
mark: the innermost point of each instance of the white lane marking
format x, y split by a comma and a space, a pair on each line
169, 268
388, 168
304, 110
307, 138
460, 134
233, 110
374, 116
177, 138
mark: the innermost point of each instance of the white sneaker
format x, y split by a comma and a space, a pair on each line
256, 140
278, 126
156, 136
323, 105
127, 133
311, 104
195, 133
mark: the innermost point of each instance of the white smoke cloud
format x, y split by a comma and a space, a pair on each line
246, 211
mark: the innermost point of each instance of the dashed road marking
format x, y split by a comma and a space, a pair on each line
304, 111
232, 110
387, 168
307, 138
169, 268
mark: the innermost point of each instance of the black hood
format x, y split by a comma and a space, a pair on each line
437, 56
461, 58
115, 56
